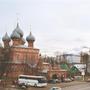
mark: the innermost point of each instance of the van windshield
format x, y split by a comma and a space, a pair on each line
41, 80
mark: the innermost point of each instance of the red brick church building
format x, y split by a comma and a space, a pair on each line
17, 58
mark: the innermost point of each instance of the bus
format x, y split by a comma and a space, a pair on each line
29, 80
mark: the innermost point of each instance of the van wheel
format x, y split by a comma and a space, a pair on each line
24, 86
35, 85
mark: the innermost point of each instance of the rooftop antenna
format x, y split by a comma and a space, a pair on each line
30, 27
17, 15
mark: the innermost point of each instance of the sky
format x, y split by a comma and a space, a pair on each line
58, 25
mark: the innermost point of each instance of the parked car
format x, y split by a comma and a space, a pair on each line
55, 88
72, 79
67, 80
52, 81
58, 80
88, 80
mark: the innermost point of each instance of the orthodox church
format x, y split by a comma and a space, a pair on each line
18, 58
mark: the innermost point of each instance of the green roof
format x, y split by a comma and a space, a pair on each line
65, 66
74, 70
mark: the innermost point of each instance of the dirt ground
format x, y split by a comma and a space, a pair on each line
62, 85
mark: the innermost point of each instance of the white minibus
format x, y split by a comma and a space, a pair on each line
29, 80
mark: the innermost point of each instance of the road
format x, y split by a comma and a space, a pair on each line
65, 86
78, 87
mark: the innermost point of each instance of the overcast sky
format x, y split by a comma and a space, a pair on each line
57, 25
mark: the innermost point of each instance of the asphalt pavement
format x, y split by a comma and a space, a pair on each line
75, 85
85, 86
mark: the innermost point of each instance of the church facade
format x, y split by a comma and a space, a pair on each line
17, 58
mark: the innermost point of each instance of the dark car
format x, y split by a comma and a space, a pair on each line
53, 81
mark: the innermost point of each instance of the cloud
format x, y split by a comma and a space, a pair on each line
56, 24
